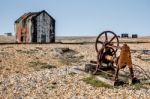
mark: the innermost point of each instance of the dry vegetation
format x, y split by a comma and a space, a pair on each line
42, 71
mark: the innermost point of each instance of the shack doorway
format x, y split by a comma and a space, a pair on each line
43, 38
23, 37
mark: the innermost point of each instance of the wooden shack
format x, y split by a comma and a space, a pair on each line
8, 34
35, 27
134, 36
124, 35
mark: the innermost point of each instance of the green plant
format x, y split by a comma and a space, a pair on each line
40, 65
138, 86
65, 62
51, 87
31, 51
70, 61
72, 73
47, 66
96, 83
39, 48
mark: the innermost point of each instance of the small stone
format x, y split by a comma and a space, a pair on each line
54, 83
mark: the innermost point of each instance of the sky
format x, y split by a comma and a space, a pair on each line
82, 17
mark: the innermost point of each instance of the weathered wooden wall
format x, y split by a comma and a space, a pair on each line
45, 28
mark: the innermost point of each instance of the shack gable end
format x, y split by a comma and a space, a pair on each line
44, 27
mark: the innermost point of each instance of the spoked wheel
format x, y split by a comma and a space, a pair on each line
102, 53
101, 59
107, 38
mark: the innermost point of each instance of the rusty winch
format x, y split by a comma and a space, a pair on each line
107, 45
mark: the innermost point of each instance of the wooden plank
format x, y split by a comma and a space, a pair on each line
107, 81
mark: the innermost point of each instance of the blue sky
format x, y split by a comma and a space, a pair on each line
83, 17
